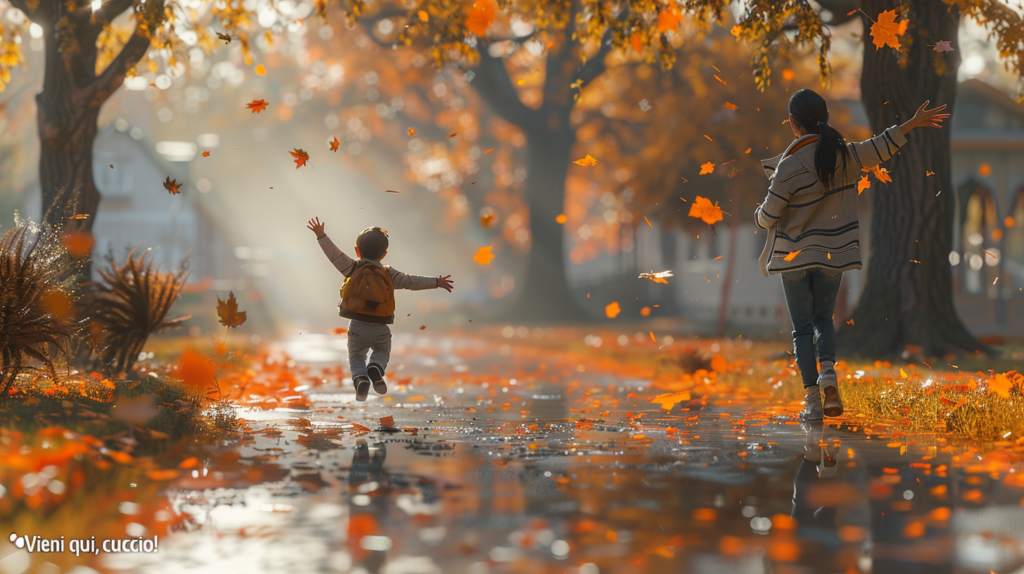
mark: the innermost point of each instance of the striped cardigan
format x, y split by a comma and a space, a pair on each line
801, 215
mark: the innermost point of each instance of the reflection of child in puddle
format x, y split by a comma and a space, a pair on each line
368, 485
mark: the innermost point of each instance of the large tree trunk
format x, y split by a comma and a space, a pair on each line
69, 104
908, 296
542, 292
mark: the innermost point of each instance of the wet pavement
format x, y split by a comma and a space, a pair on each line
561, 465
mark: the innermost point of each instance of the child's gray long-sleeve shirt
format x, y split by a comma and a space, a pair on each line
346, 265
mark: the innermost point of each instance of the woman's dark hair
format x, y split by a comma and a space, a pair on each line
372, 243
811, 112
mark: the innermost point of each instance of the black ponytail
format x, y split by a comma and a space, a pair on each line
811, 112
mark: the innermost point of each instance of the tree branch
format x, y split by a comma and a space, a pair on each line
494, 85
43, 10
595, 66
111, 79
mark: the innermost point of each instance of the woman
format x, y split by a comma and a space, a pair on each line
810, 213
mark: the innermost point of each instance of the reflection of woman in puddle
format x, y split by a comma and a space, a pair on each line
368, 485
818, 467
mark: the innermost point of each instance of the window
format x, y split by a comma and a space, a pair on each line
1013, 245
979, 240
112, 173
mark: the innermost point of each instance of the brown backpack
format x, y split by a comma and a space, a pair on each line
369, 291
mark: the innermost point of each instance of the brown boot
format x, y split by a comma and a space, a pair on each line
830, 388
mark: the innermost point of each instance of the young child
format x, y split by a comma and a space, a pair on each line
368, 301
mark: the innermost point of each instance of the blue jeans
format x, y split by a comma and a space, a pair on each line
811, 298
367, 336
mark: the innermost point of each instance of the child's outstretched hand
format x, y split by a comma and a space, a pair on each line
445, 283
317, 226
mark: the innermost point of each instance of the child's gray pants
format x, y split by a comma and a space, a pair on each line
363, 336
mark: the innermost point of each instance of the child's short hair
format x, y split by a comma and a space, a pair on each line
372, 243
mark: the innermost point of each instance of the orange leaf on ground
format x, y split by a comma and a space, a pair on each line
227, 311
78, 243
792, 255
612, 309
884, 32
189, 462
154, 474
483, 255
480, 16
299, 156
669, 400
703, 209
388, 421
707, 168
257, 106
172, 186
586, 162
719, 364
1000, 385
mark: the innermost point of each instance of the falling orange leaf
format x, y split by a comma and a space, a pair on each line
172, 186
195, 371
788, 74
453, 134
299, 157
561, 218
658, 277
792, 255
652, 337
612, 309
260, 70
487, 219
884, 32
227, 311
880, 172
863, 184
489, 150
720, 79
586, 162
648, 222
929, 173
257, 106
480, 16
483, 255
334, 144
412, 131
703, 209
748, 150
943, 46
206, 154
78, 243
424, 17
58, 304
669, 19
985, 169
730, 106
707, 168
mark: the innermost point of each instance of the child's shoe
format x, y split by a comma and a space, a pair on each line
376, 373
830, 388
362, 384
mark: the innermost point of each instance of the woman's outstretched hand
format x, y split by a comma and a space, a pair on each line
925, 118
316, 226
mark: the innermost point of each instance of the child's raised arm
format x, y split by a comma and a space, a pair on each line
337, 257
419, 282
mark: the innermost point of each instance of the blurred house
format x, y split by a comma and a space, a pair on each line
136, 211
988, 175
